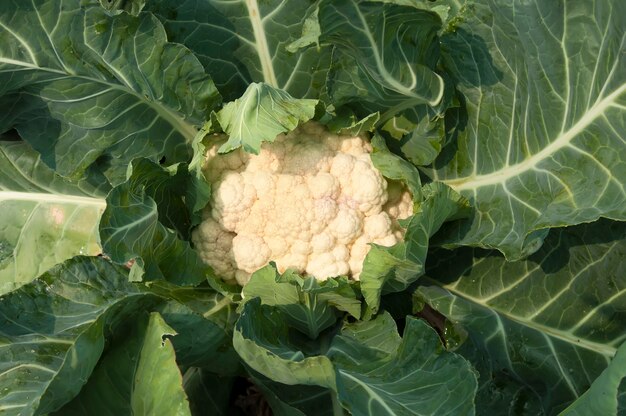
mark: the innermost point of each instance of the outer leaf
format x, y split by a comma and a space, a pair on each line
384, 61
346, 122
133, 7
136, 377
133, 226
554, 321
451, 12
211, 36
376, 373
421, 133
384, 55
66, 71
260, 115
393, 269
394, 167
309, 306
198, 192
52, 332
208, 393
202, 300
499, 391
262, 30
601, 398
200, 341
420, 378
300, 400
45, 219
543, 144
379, 334
261, 339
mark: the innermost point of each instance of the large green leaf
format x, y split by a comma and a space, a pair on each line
86, 88
370, 368
137, 377
385, 60
201, 342
542, 142
418, 377
45, 218
384, 56
240, 42
554, 321
209, 394
141, 221
212, 38
52, 332
299, 400
602, 396
133, 7
500, 392
393, 269
262, 113
263, 30
394, 167
202, 300
263, 342
308, 305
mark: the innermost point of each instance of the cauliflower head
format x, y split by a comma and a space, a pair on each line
311, 201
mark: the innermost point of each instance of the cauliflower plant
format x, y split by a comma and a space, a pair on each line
311, 201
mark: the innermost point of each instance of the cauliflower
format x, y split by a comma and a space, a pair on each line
311, 200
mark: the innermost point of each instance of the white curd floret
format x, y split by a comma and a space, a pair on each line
311, 200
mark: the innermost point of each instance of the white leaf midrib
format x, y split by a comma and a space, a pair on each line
564, 336
47, 198
187, 130
263, 50
501, 176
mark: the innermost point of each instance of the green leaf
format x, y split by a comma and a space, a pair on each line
198, 192
202, 300
299, 400
209, 394
379, 334
136, 377
499, 392
200, 342
133, 7
263, 29
376, 372
211, 36
417, 378
393, 269
45, 218
308, 305
91, 90
263, 341
421, 134
601, 398
553, 321
240, 42
394, 167
52, 332
450, 11
384, 56
137, 225
262, 113
543, 138
346, 122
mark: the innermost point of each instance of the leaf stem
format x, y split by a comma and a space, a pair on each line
217, 307
337, 407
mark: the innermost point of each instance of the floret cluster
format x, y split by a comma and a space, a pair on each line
311, 201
